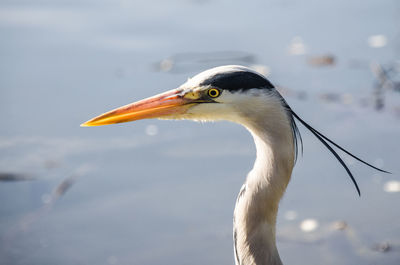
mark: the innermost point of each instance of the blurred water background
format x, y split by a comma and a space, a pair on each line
163, 192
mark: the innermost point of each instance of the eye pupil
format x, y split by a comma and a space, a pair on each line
213, 93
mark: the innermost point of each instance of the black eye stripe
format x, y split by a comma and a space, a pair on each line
238, 80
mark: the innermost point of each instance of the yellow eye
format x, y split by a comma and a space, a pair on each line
213, 92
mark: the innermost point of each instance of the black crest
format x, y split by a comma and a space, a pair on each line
327, 142
237, 80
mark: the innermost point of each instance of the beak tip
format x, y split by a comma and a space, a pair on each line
85, 124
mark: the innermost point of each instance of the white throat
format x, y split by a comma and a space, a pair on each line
257, 204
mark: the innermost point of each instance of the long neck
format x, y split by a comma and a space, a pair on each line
257, 204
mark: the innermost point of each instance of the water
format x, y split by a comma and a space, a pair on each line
163, 192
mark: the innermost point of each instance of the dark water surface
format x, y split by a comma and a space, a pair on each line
163, 192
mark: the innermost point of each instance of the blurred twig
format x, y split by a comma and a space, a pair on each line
10, 177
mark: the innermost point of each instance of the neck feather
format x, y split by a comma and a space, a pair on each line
257, 204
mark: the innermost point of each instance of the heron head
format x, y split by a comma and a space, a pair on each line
223, 93
233, 93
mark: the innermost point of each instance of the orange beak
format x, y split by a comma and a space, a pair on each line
164, 105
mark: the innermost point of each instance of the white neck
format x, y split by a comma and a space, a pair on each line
257, 204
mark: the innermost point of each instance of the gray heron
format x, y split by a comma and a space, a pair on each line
241, 95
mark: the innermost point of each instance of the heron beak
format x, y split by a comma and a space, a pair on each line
169, 104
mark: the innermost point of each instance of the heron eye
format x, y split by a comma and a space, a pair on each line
213, 92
